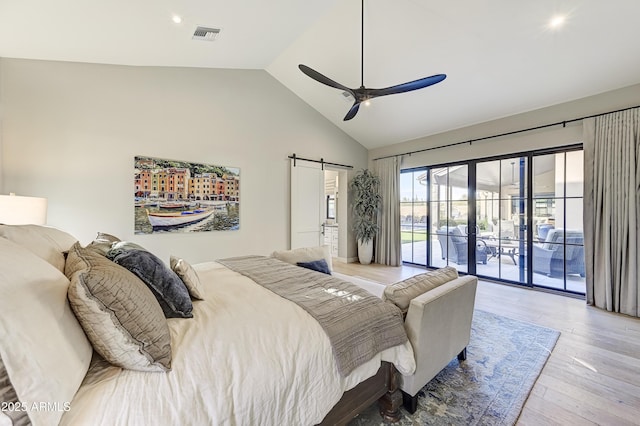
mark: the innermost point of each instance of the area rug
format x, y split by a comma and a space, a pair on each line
504, 359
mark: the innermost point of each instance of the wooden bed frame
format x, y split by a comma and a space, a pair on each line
383, 387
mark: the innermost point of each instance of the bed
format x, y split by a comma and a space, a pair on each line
245, 356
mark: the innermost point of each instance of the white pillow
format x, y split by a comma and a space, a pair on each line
305, 254
43, 348
44, 241
188, 275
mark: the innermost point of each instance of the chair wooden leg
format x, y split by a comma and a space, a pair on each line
462, 355
410, 403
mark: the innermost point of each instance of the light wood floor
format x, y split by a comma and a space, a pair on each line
593, 373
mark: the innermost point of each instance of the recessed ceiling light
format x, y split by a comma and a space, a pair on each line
176, 19
557, 21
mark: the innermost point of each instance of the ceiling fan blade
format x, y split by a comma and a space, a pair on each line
408, 87
323, 79
352, 112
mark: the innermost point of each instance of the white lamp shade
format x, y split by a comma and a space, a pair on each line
16, 210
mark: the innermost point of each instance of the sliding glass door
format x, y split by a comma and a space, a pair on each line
515, 218
501, 217
449, 219
558, 232
413, 216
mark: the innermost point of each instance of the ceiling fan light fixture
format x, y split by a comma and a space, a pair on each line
364, 94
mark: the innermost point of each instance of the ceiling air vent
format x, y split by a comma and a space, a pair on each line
206, 34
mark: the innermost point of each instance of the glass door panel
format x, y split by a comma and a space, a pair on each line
501, 215
558, 243
413, 216
449, 221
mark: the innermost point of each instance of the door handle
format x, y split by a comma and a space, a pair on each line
322, 232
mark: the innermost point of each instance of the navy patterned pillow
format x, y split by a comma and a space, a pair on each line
165, 285
316, 265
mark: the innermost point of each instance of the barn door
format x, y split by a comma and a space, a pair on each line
307, 196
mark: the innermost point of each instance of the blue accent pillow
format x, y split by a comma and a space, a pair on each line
165, 284
316, 265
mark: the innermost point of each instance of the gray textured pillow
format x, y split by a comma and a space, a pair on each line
122, 246
119, 314
401, 293
103, 242
166, 286
188, 275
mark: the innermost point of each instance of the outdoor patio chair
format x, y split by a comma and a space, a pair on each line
543, 231
548, 258
457, 244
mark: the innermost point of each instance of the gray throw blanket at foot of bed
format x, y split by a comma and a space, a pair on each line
358, 324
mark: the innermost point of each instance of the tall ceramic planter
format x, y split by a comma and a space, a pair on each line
365, 252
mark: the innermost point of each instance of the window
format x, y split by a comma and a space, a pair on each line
413, 215
558, 230
511, 218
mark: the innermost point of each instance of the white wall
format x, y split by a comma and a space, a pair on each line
545, 138
70, 131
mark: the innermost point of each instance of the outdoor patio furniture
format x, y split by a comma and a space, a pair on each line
543, 231
457, 245
507, 229
549, 257
497, 248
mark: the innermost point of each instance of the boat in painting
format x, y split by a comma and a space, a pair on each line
173, 206
168, 219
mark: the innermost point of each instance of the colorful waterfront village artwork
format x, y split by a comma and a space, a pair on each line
179, 196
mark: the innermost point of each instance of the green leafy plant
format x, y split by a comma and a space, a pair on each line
365, 202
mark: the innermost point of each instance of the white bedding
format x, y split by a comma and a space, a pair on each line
248, 357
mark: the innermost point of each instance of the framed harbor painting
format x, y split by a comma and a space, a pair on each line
179, 196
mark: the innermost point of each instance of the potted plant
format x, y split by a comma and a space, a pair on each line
365, 202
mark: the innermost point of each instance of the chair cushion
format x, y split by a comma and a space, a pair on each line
456, 235
401, 293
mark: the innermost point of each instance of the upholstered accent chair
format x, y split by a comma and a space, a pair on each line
457, 243
549, 257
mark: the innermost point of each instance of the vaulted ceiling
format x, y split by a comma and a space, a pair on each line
501, 57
